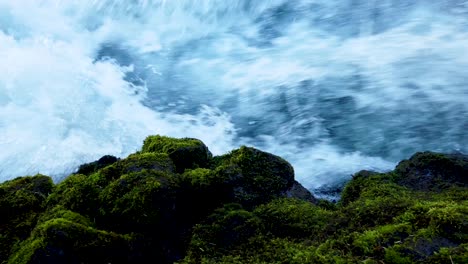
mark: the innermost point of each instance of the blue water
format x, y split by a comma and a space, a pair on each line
334, 86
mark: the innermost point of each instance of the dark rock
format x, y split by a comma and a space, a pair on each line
149, 161
433, 171
255, 176
94, 166
298, 191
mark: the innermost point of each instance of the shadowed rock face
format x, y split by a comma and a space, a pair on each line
94, 166
172, 201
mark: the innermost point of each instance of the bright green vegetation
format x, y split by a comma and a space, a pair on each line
186, 153
174, 202
22, 200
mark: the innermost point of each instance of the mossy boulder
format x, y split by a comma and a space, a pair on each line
89, 168
61, 240
138, 201
187, 153
135, 163
22, 200
172, 202
77, 193
255, 176
198, 193
433, 171
149, 161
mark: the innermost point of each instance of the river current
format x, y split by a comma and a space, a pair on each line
333, 86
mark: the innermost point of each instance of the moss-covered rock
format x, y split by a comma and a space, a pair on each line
433, 171
173, 202
134, 163
137, 201
224, 230
255, 176
187, 153
21, 202
198, 193
149, 161
94, 166
76, 193
60, 240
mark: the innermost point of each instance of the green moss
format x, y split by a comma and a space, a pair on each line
133, 163
39, 184
21, 201
150, 161
457, 254
444, 218
432, 171
370, 212
334, 251
198, 193
293, 218
28, 248
371, 243
172, 201
327, 205
94, 166
393, 256
122, 189
162, 144
224, 230
60, 240
200, 177
135, 200
265, 250
187, 153
370, 182
256, 176
107, 174
76, 193
61, 212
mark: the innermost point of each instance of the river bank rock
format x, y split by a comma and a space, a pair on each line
174, 202
433, 171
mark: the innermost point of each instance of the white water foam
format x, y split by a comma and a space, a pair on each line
333, 86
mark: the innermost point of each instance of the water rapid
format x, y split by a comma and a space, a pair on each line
334, 86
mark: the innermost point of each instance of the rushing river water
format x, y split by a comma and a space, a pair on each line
334, 86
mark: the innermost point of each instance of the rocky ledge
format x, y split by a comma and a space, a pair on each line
174, 202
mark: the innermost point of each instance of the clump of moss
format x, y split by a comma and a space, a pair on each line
256, 176
149, 161
224, 230
198, 193
94, 166
187, 153
293, 218
60, 240
432, 171
136, 201
457, 254
22, 200
76, 193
